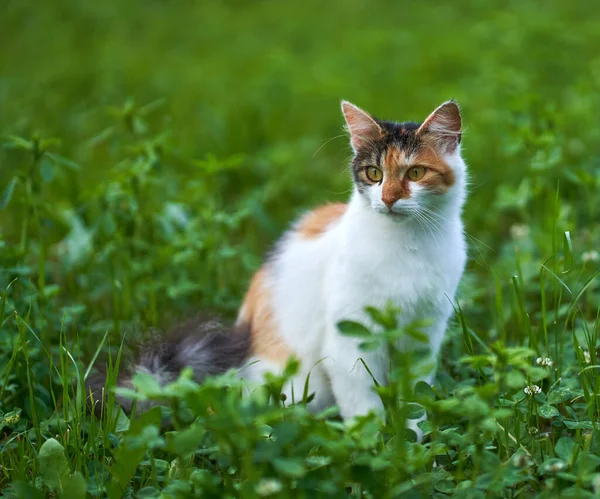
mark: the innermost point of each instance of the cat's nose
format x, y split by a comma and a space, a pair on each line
391, 192
389, 201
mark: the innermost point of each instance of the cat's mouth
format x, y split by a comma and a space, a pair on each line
397, 215
394, 214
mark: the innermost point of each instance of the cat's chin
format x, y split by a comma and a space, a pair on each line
396, 216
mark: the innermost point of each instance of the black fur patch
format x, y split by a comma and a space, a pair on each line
204, 345
400, 135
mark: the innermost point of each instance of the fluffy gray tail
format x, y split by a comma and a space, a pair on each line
206, 346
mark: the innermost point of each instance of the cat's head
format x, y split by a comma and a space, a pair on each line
404, 169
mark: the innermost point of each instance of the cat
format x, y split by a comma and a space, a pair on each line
399, 239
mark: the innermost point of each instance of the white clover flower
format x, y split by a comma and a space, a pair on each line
519, 231
521, 461
544, 361
596, 483
532, 390
268, 487
533, 430
586, 355
590, 256
557, 466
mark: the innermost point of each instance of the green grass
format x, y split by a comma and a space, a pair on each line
153, 151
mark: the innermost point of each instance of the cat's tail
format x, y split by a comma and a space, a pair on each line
205, 346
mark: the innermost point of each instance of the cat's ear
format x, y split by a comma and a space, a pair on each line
362, 127
444, 125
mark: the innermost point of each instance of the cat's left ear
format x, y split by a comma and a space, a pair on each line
445, 126
363, 129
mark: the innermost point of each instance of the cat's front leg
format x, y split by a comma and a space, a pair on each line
435, 334
351, 383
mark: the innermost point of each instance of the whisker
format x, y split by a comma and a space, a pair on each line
418, 220
420, 215
434, 222
483, 262
327, 142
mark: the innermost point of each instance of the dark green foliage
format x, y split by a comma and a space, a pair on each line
153, 151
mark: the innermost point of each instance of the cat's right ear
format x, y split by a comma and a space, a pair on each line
445, 125
362, 127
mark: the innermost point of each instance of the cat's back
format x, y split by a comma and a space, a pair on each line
315, 223
306, 245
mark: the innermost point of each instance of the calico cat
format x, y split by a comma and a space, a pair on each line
399, 239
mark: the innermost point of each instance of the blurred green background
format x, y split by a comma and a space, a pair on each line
189, 134
152, 151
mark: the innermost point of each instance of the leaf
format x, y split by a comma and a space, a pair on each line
178, 488
424, 391
354, 329
10, 418
416, 334
147, 492
587, 463
548, 411
369, 346
46, 169
53, 464
286, 432
133, 448
98, 476
383, 318
23, 490
186, 441
560, 395
63, 161
515, 379
17, 142
473, 408
8, 192
579, 425
574, 493
75, 487
146, 384
537, 374
565, 448
290, 466
413, 411
446, 486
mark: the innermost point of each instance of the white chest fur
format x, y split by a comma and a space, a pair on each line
366, 259
380, 259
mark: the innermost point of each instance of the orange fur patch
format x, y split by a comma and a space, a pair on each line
440, 176
395, 186
257, 312
316, 222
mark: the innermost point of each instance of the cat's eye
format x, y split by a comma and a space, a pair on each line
416, 173
374, 174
